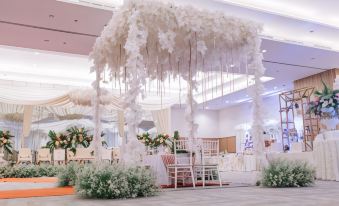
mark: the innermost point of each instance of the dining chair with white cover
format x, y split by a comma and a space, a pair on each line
107, 155
59, 156
207, 168
81, 155
43, 155
24, 156
182, 168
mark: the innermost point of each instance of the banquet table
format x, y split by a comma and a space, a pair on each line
326, 155
158, 167
236, 162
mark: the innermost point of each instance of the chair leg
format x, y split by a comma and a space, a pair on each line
219, 177
175, 177
192, 175
203, 176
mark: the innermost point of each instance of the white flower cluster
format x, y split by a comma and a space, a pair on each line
114, 181
281, 173
156, 39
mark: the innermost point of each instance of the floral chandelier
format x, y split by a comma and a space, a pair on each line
157, 40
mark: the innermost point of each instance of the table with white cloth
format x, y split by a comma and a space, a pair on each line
237, 162
158, 167
326, 155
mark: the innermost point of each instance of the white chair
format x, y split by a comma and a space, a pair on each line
25, 156
43, 155
81, 155
182, 168
107, 155
206, 169
59, 156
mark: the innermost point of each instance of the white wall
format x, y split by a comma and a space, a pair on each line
232, 117
208, 121
223, 123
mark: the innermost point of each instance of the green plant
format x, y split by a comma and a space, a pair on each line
5, 141
281, 173
57, 140
24, 171
68, 174
115, 181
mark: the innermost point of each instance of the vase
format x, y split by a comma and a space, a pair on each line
329, 123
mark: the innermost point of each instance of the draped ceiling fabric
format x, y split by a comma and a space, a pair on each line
162, 120
26, 104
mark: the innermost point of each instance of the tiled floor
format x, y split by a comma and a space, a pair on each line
323, 193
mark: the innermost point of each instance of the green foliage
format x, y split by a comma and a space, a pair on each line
73, 137
68, 174
24, 171
326, 103
5, 141
115, 181
281, 173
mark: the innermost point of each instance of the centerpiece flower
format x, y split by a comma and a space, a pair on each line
325, 106
5, 141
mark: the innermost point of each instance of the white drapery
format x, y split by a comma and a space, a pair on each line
162, 120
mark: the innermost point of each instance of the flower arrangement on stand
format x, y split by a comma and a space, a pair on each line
325, 106
5, 141
161, 140
73, 137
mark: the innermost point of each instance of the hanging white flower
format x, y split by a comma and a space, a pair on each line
166, 40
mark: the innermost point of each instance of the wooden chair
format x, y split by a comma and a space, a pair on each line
182, 168
25, 156
206, 169
43, 155
82, 155
59, 156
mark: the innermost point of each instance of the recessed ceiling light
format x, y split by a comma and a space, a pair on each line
232, 65
283, 85
75, 20
51, 16
64, 42
46, 40
264, 51
312, 58
311, 31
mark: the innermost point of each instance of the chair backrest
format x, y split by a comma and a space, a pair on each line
59, 155
25, 152
85, 153
106, 154
182, 158
43, 152
210, 148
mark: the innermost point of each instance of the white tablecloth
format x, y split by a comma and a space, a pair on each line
326, 155
157, 165
237, 162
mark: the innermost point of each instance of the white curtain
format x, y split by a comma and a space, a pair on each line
162, 120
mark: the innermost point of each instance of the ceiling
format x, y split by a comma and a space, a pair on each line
297, 44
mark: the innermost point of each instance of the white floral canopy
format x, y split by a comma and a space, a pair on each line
153, 39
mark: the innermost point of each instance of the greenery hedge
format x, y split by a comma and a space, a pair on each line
115, 181
282, 173
22, 171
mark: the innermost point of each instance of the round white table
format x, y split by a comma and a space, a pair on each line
326, 155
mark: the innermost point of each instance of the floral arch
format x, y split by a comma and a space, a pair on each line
153, 39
